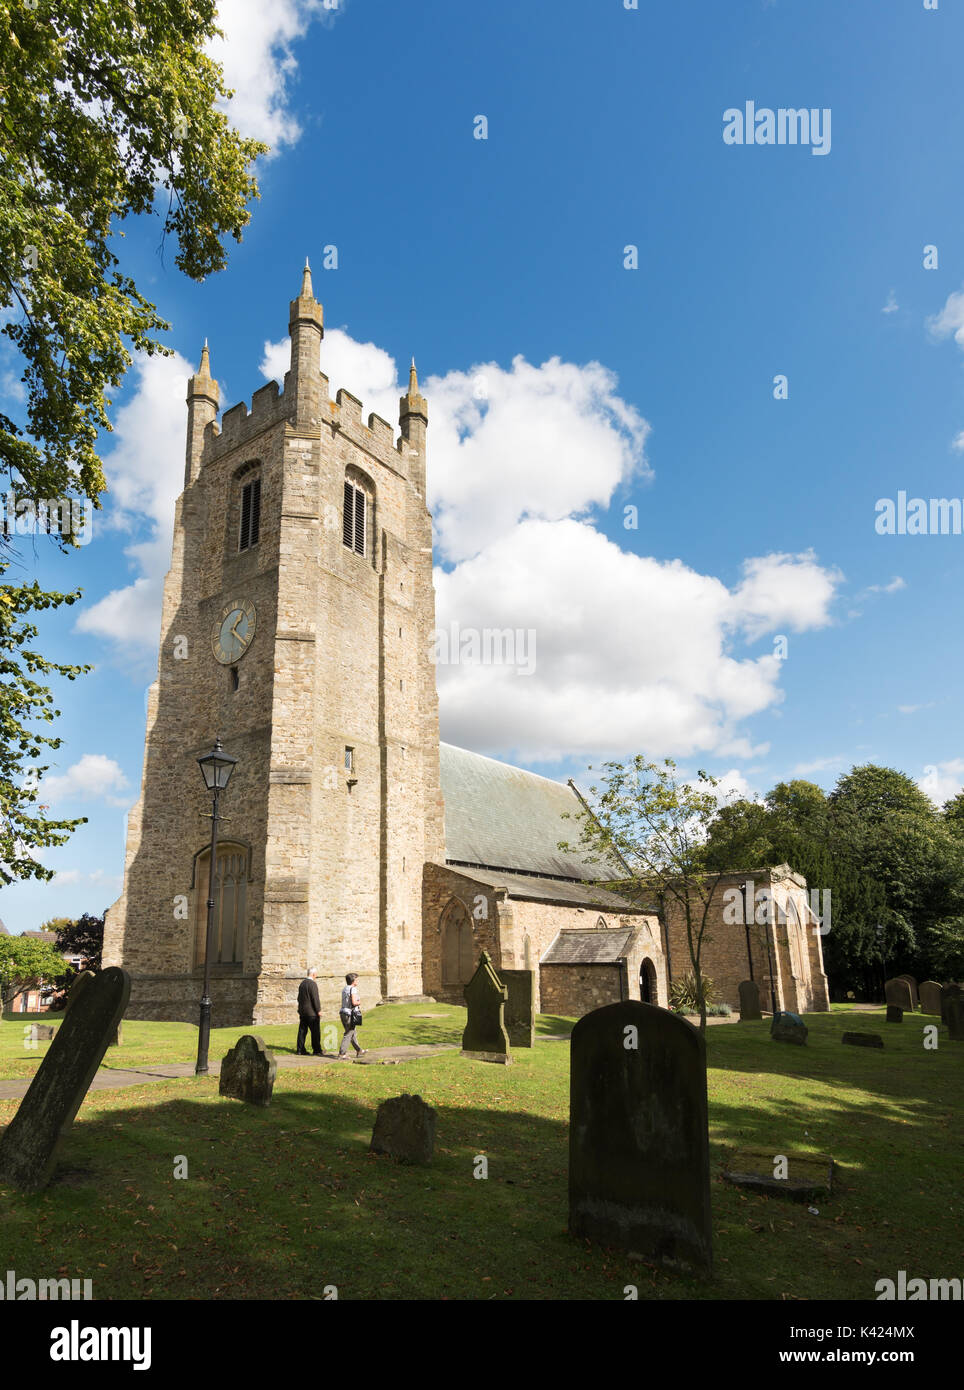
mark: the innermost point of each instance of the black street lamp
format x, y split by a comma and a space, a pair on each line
746, 923
216, 769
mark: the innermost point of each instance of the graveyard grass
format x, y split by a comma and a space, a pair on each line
281, 1203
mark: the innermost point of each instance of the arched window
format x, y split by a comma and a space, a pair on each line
355, 517
230, 903
458, 953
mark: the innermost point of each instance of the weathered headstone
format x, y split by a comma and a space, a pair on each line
948, 992
118, 1037
248, 1071
897, 991
29, 1146
807, 1176
485, 1037
863, 1039
41, 1032
790, 1028
520, 1007
405, 1129
930, 997
895, 1013
955, 1019
749, 1001
639, 1175
914, 993
80, 983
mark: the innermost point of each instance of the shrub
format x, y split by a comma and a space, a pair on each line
682, 995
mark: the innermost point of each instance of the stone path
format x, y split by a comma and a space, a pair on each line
116, 1078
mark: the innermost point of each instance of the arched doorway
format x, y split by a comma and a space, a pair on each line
458, 954
647, 982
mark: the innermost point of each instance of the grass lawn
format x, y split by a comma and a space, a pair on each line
281, 1203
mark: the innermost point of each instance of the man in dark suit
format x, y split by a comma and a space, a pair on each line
309, 1015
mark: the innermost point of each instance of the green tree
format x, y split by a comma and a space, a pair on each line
654, 826
25, 702
108, 111
24, 961
85, 938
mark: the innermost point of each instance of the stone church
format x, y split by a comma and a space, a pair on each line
297, 626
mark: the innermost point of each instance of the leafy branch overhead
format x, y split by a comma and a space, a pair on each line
107, 111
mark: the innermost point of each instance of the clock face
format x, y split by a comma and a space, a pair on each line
234, 631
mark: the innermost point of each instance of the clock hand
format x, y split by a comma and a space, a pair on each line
234, 630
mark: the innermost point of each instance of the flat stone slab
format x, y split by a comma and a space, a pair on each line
808, 1175
391, 1056
429, 1015
863, 1039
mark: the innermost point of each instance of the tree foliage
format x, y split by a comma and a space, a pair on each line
653, 825
24, 960
85, 938
106, 111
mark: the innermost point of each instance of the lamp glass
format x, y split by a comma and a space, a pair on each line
216, 768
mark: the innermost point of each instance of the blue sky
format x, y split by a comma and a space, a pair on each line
564, 388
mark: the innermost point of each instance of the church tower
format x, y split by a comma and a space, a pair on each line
297, 626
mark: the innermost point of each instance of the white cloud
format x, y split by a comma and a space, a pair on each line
894, 587
94, 777
957, 443
96, 876
257, 55
819, 765
145, 474
891, 306
950, 320
912, 709
781, 590
941, 781
631, 653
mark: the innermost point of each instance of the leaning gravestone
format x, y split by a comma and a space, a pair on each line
948, 992
41, 1032
790, 1028
74, 993
930, 997
895, 1013
749, 1001
248, 1071
485, 1037
863, 1039
28, 1149
405, 1129
898, 993
955, 1019
520, 1007
639, 1174
914, 994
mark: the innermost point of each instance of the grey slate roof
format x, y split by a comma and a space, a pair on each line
538, 889
589, 947
501, 817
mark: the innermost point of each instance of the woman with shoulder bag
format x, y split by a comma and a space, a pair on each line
351, 1018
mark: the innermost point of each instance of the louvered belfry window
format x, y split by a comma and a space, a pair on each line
250, 514
353, 522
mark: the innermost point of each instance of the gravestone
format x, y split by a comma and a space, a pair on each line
248, 1071
41, 1032
955, 1019
118, 1037
914, 993
77, 988
520, 1007
808, 1176
485, 1037
639, 1175
405, 1129
895, 1013
898, 992
930, 997
789, 1028
948, 992
863, 1039
30, 1143
749, 1001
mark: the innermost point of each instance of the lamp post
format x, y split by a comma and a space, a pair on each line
746, 923
216, 769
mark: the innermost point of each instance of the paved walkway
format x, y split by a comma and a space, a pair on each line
116, 1078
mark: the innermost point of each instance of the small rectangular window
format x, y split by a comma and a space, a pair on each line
349, 760
353, 520
250, 514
